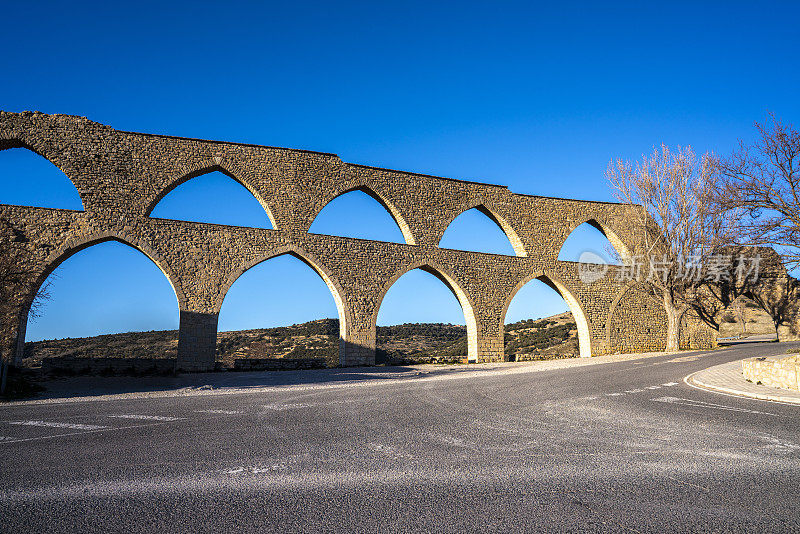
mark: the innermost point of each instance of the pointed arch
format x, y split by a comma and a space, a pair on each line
202, 170
316, 265
619, 246
387, 205
17, 144
449, 281
76, 245
575, 306
493, 215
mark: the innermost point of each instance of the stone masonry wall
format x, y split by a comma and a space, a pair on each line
121, 176
778, 372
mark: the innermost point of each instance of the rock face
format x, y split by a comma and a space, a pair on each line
778, 372
121, 176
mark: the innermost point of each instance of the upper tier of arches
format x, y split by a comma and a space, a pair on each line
213, 197
362, 213
29, 179
478, 229
208, 172
122, 172
591, 242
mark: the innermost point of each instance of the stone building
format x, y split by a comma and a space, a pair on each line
121, 176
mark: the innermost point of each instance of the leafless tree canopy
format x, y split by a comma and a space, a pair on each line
16, 275
680, 231
763, 179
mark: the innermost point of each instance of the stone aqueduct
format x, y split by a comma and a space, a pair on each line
121, 176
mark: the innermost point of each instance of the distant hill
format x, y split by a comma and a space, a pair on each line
548, 338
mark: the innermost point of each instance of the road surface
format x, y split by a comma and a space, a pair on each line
619, 447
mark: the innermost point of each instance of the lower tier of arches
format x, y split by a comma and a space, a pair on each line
202, 261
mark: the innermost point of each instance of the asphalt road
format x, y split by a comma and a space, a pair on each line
625, 446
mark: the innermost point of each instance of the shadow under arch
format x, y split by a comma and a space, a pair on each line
449, 280
613, 308
619, 245
317, 266
76, 245
647, 300
7, 144
503, 224
200, 170
584, 339
393, 210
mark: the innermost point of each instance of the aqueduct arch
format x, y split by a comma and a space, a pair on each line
387, 205
575, 306
201, 171
120, 176
507, 229
453, 285
73, 247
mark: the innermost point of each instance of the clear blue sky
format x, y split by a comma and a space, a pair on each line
537, 97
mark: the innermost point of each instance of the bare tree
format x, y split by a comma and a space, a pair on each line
757, 274
17, 278
739, 309
17, 274
740, 269
762, 179
679, 231
775, 291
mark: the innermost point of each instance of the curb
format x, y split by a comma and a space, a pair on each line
690, 380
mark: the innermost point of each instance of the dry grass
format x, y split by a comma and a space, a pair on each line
552, 337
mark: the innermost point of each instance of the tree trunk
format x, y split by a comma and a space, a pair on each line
673, 324
777, 331
3, 376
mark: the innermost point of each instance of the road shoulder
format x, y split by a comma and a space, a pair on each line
727, 378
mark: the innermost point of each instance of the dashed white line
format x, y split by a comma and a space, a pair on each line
222, 412
641, 390
287, 406
83, 433
702, 404
147, 417
51, 424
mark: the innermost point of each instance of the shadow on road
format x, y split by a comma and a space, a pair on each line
761, 338
88, 386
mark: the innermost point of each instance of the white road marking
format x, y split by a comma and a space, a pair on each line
641, 390
287, 406
49, 424
254, 470
701, 404
147, 417
222, 412
5, 438
64, 435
